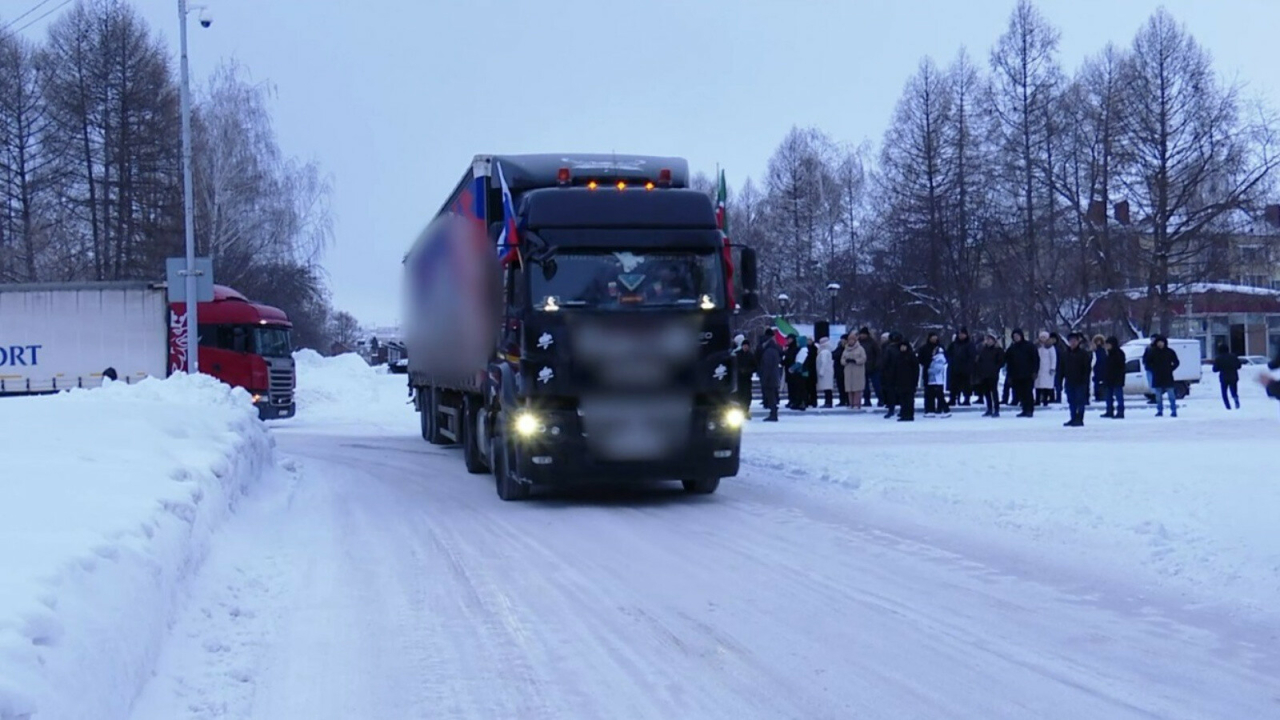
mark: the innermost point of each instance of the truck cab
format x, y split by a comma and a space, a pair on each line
247, 345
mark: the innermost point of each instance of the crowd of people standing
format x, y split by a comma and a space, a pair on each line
860, 371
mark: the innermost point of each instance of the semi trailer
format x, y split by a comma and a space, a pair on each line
58, 336
568, 320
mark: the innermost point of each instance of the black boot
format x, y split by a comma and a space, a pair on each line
1119, 415
773, 416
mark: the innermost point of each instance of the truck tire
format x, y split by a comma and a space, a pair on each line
471, 437
432, 401
425, 416
509, 488
701, 486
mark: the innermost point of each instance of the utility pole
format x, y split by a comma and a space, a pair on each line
188, 203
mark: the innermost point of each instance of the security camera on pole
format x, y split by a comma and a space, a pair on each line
190, 278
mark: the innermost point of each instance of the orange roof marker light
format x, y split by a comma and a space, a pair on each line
592, 185
622, 185
648, 186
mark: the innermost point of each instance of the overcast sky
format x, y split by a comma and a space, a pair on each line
394, 97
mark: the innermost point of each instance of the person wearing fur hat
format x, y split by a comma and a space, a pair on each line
1113, 376
854, 369
1077, 366
825, 371
1047, 370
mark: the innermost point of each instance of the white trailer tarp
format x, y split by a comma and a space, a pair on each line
54, 337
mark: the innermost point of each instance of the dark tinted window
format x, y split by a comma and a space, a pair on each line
1133, 366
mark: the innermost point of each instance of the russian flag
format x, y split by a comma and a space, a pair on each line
509, 238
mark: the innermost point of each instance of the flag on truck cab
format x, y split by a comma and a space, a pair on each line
508, 239
722, 220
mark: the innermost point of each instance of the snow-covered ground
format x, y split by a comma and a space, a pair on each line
959, 568
108, 501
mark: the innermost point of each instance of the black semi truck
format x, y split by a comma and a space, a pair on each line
568, 321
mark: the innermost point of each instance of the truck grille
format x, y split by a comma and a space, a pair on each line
281, 390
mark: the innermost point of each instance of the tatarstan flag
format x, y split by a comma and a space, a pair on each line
722, 220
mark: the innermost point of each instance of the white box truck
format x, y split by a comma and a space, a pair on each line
1189, 371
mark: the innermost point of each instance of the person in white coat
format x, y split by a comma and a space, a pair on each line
1048, 372
826, 371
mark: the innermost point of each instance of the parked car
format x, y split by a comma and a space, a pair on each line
1254, 360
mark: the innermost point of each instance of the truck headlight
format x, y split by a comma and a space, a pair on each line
527, 424
734, 418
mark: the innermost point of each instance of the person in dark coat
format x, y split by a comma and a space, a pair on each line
1075, 377
746, 362
794, 380
1163, 361
1146, 365
906, 377
986, 375
889, 374
1060, 348
1113, 376
873, 367
1022, 362
836, 356
811, 375
925, 354
769, 368
1227, 365
961, 354
1099, 368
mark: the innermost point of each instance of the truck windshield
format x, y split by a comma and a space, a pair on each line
630, 279
271, 341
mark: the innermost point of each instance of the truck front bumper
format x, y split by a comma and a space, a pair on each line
557, 453
267, 410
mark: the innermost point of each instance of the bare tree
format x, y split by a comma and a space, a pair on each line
1193, 158
24, 161
344, 329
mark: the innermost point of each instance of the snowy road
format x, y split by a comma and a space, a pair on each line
380, 580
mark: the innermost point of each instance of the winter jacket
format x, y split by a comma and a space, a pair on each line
1228, 367
746, 366
1060, 348
889, 365
872, 349
938, 369
1100, 364
990, 360
906, 375
855, 367
789, 355
1163, 361
825, 366
1077, 366
1048, 372
925, 354
1116, 362
769, 365
961, 355
799, 365
1021, 359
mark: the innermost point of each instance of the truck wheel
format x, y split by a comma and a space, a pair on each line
425, 417
471, 437
701, 486
508, 487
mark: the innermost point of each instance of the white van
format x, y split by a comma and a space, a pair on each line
1190, 366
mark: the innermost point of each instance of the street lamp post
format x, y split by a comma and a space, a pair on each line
188, 203
783, 301
833, 289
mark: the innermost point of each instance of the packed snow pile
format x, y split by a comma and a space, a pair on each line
108, 500
345, 392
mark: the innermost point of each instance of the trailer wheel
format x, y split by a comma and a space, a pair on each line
425, 417
509, 488
432, 400
701, 486
470, 429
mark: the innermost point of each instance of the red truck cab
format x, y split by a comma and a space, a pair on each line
245, 345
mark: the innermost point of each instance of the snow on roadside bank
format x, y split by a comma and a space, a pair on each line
1186, 504
108, 499
345, 393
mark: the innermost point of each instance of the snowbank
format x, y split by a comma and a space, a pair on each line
345, 393
1185, 506
108, 499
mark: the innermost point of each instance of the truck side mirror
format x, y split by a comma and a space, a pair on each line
750, 294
